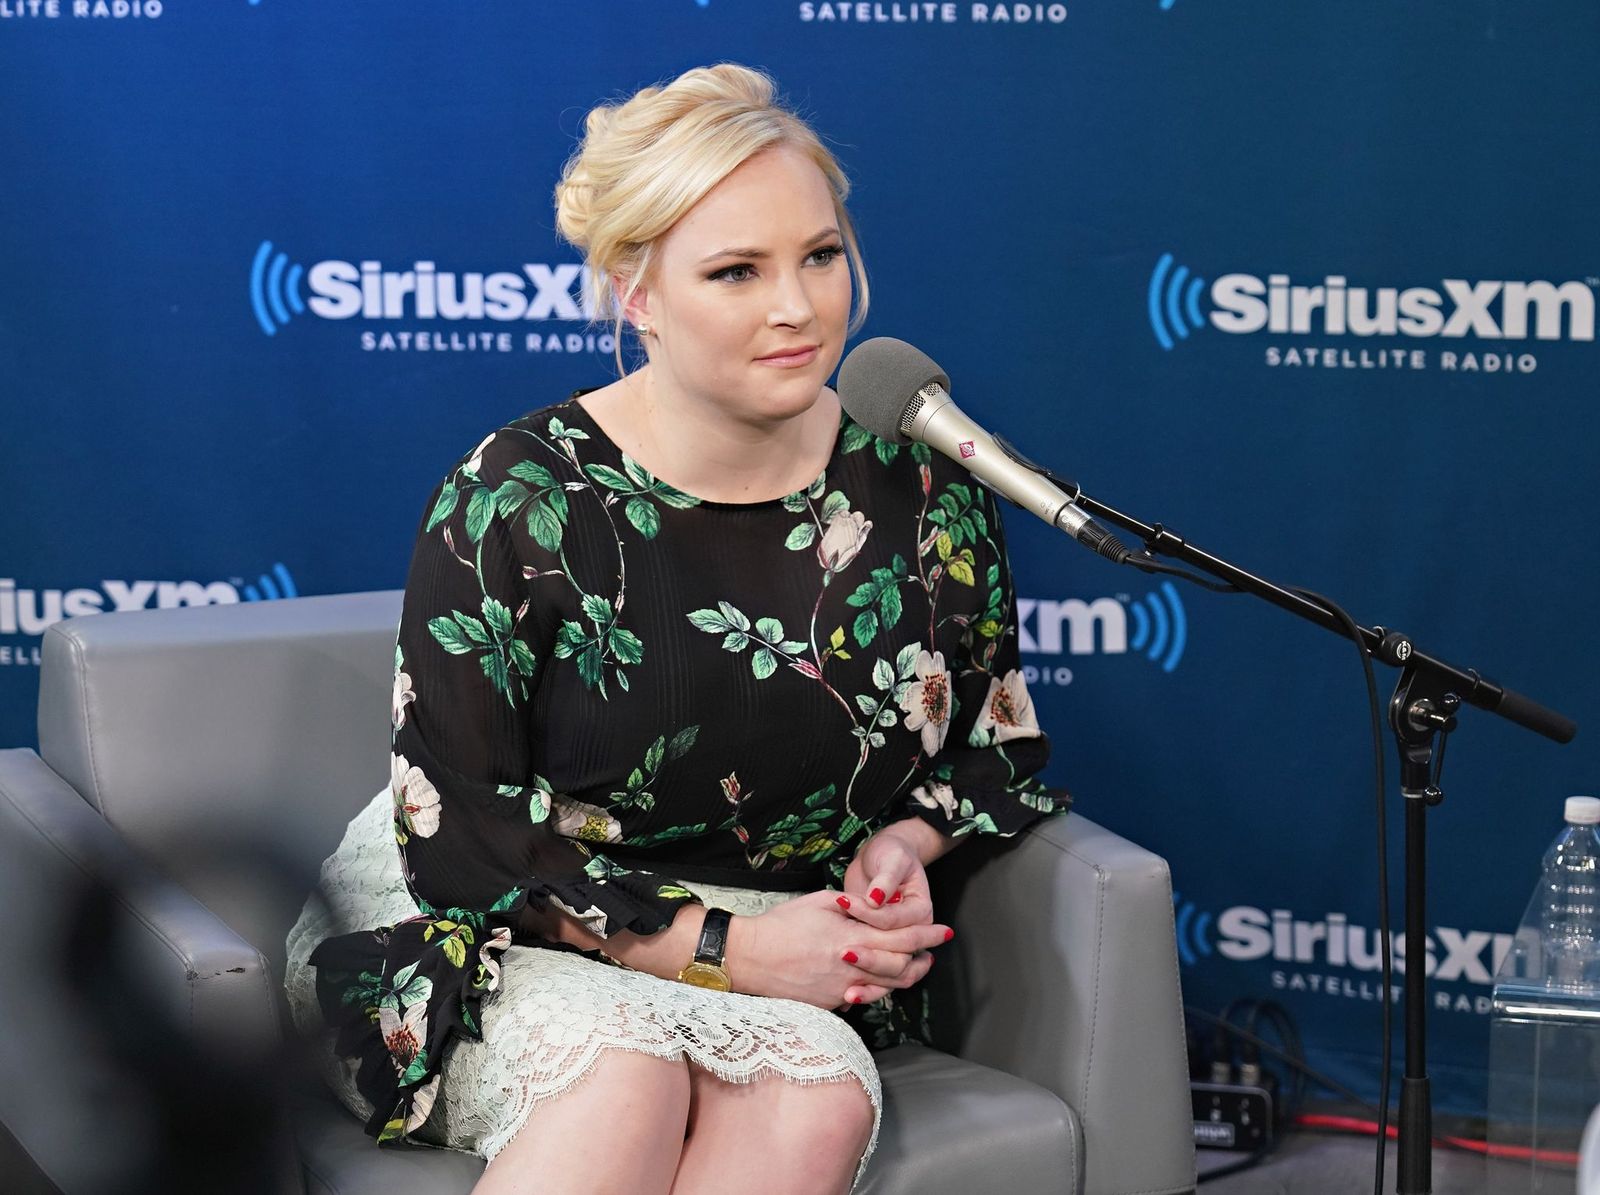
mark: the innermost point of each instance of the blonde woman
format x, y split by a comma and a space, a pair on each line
693, 680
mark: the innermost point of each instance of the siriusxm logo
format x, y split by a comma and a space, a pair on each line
342, 290
1160, 628
32, 611
1487, 310
1244, 933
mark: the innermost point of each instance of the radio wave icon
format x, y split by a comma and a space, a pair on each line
1192, 930
1160, 627
1174, 302
278, 585
274, 291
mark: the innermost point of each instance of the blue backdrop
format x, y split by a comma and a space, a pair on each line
1312, 284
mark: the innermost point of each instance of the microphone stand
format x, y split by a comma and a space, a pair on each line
1423, 707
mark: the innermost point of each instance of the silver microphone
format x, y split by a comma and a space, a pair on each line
873, 384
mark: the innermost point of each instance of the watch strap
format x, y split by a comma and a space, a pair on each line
713, 937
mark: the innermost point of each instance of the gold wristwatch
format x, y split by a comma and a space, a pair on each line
706, 971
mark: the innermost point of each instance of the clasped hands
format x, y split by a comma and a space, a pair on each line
855, 946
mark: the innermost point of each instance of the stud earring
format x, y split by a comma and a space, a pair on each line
643, 329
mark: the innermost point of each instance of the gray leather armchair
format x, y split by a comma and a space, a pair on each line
196, 765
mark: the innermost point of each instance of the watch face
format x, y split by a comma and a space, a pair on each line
704, 975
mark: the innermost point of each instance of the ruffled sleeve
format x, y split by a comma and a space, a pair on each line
984, 778
480, 831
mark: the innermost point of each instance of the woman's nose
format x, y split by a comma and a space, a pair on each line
791, 304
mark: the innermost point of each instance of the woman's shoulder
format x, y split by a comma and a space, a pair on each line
512, 450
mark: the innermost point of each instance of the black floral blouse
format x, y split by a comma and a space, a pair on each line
605, 687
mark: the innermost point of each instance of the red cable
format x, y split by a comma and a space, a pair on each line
1352, 1124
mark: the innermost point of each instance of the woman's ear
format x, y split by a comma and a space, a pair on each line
637, 309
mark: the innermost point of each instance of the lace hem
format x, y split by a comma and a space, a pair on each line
556, 1011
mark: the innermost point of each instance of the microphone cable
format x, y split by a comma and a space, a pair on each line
1380, 784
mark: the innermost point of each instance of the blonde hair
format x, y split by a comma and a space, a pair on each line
644, 162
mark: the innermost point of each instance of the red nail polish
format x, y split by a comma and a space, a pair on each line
849, 956
876, 896
895, 899
948, 934
844, 902
855, 999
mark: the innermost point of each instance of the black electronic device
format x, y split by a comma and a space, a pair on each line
1233, 1115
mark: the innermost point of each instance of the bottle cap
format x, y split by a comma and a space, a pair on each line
1583, 811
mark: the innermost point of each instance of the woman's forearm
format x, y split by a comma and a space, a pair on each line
663, 953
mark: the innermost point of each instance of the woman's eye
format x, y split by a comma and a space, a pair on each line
740, 273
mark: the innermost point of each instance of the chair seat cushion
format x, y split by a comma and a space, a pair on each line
950, 1127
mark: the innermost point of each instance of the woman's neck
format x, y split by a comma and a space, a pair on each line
702, 450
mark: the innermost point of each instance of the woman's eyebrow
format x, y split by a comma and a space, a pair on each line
738, 252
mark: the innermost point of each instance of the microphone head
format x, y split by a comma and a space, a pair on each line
878, 385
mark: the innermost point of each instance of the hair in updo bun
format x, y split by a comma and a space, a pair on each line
644, 162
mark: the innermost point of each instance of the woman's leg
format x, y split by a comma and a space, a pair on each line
619, 1129
772, 1136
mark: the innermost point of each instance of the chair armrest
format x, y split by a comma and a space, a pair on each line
1067, 975
86, 911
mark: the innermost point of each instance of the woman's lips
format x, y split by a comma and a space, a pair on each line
803, 357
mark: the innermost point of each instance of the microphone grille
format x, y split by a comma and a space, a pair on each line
908, 417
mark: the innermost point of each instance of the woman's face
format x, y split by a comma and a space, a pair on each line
785, 285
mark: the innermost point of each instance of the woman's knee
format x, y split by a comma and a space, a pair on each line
782, 1117
629, 1079
833, 1118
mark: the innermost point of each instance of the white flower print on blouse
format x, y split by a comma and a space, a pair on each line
936, 795
476, 462
926, 701
416, 801
1007, 710
403, 1036
579, 819
843, 540
404, 695
422, 1103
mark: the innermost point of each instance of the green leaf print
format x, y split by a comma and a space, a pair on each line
545, 526
763, 663
610, 478
644, 517
445, 506
882, 675
597, 609
626, 646
561, 431
674, 892
865, 628
802, 536
480, 510
497, 616
855, 438
453, 636
535, 474
710, 620
506, 901
670, 834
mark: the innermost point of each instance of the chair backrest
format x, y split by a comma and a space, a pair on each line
231, 744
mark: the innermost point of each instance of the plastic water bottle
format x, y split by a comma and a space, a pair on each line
1569, 928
